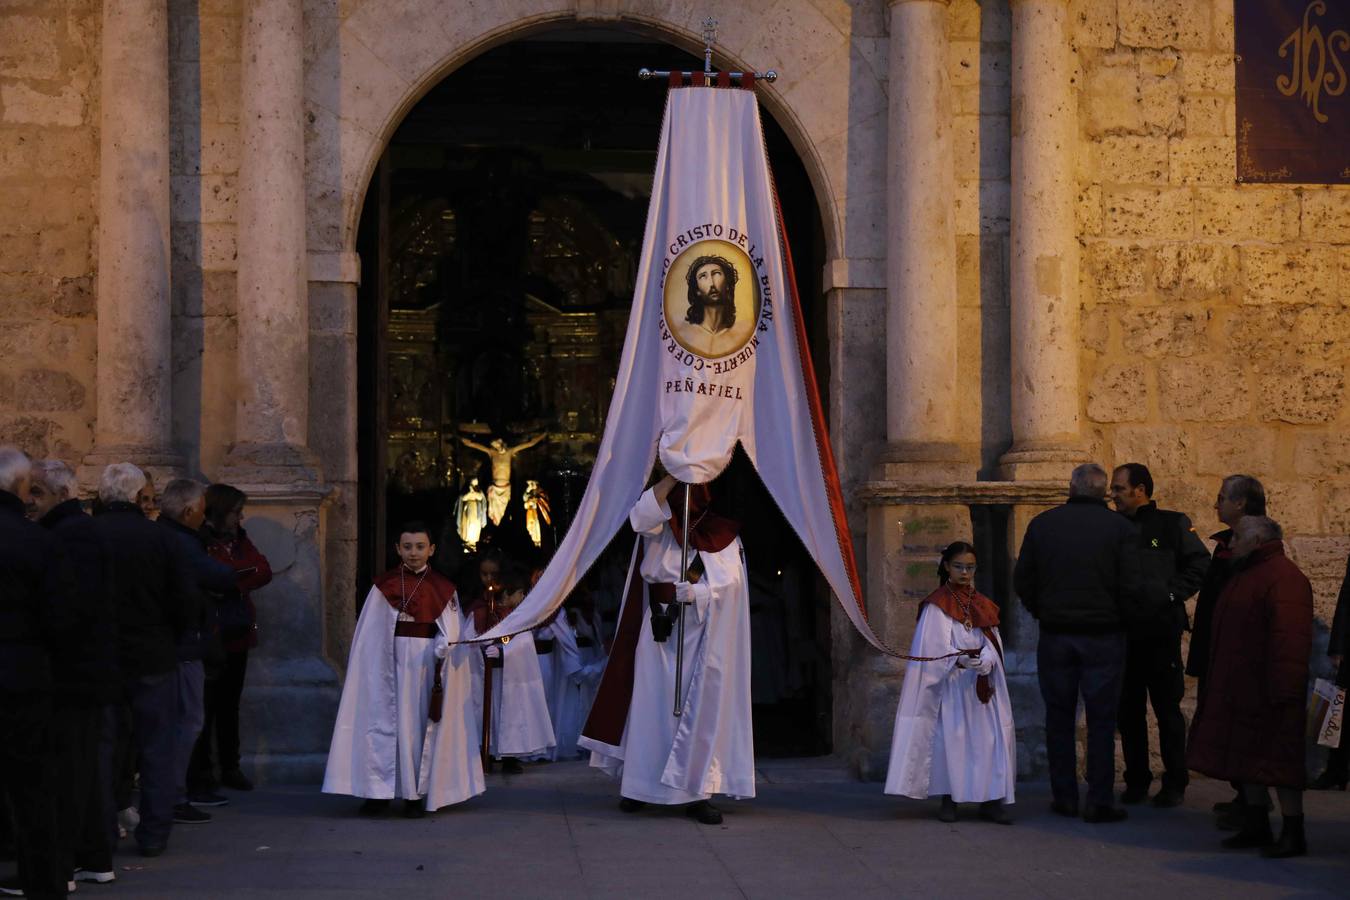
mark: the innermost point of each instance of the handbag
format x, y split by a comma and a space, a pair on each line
1326, 709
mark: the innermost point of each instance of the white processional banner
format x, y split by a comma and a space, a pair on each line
715, 354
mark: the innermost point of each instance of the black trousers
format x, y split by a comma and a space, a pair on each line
83, 807
1090, 665
223, 693
28, 780
1154, 675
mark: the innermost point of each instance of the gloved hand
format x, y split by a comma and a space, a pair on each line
987, 654
493, 650
442, 647
697, 593
966, 661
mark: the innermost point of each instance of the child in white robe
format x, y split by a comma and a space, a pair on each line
405, 726
520, 724
954, 728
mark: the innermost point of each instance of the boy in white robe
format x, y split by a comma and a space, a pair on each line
520, 723
954, 728
405, 726
632, 731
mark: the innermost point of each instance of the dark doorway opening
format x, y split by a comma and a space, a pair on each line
499, 241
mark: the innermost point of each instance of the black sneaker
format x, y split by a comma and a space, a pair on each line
12, 887
187, 814
1168, 797
1102, 815
95, 876
629, 805
414, 809
372, 808
206, 798
235, 780
512, 766
704, 812
1134, 794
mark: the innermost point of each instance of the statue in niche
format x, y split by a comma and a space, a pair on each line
471, 515
499, 492
537, 511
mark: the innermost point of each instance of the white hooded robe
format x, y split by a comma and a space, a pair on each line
946, 741
384, 744
709, 748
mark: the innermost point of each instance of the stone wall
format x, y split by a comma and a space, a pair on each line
1214, 334
48, 198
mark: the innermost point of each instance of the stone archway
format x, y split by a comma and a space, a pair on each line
373, 63
374, 60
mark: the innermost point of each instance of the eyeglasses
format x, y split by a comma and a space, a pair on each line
961, 567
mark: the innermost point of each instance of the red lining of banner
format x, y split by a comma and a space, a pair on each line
827, 465
609, 710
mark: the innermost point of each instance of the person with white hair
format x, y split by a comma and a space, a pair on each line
87, 685
1079, 576
182, 509
37, 616
149, 580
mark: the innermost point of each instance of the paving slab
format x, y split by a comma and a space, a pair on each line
555, 832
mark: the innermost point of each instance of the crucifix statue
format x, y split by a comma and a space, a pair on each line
499, 492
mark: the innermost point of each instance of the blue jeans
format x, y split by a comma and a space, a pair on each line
1092, 665
191, 717
154, 715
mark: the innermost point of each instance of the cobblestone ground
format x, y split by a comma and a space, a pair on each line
812, 832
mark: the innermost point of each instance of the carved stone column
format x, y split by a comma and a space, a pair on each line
287, 712
921, 315
272, 422
134, 337
1044, 264
923, 444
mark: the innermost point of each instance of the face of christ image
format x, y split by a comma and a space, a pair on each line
712, 294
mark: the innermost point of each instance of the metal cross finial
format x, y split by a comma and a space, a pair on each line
709, 35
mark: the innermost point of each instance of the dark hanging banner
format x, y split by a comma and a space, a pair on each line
1293, 109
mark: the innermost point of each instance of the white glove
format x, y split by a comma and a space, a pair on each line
492, 651
966, 661
987, 654
697, 593
442, 647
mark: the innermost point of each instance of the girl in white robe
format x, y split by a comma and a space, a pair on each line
954, 728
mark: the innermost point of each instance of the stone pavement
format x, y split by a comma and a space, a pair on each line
812, 832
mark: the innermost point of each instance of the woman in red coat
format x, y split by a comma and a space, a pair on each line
1250, 719
227, 542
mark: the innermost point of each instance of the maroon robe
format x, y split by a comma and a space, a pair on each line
1250, 720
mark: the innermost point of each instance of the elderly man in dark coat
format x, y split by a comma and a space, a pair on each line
37, 620
1250, 721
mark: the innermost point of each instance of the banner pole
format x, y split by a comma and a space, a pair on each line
684, 576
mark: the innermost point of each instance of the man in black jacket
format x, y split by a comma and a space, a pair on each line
1078, 575
1173, 561
182, 508
88, 685
150, 580
37, 619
